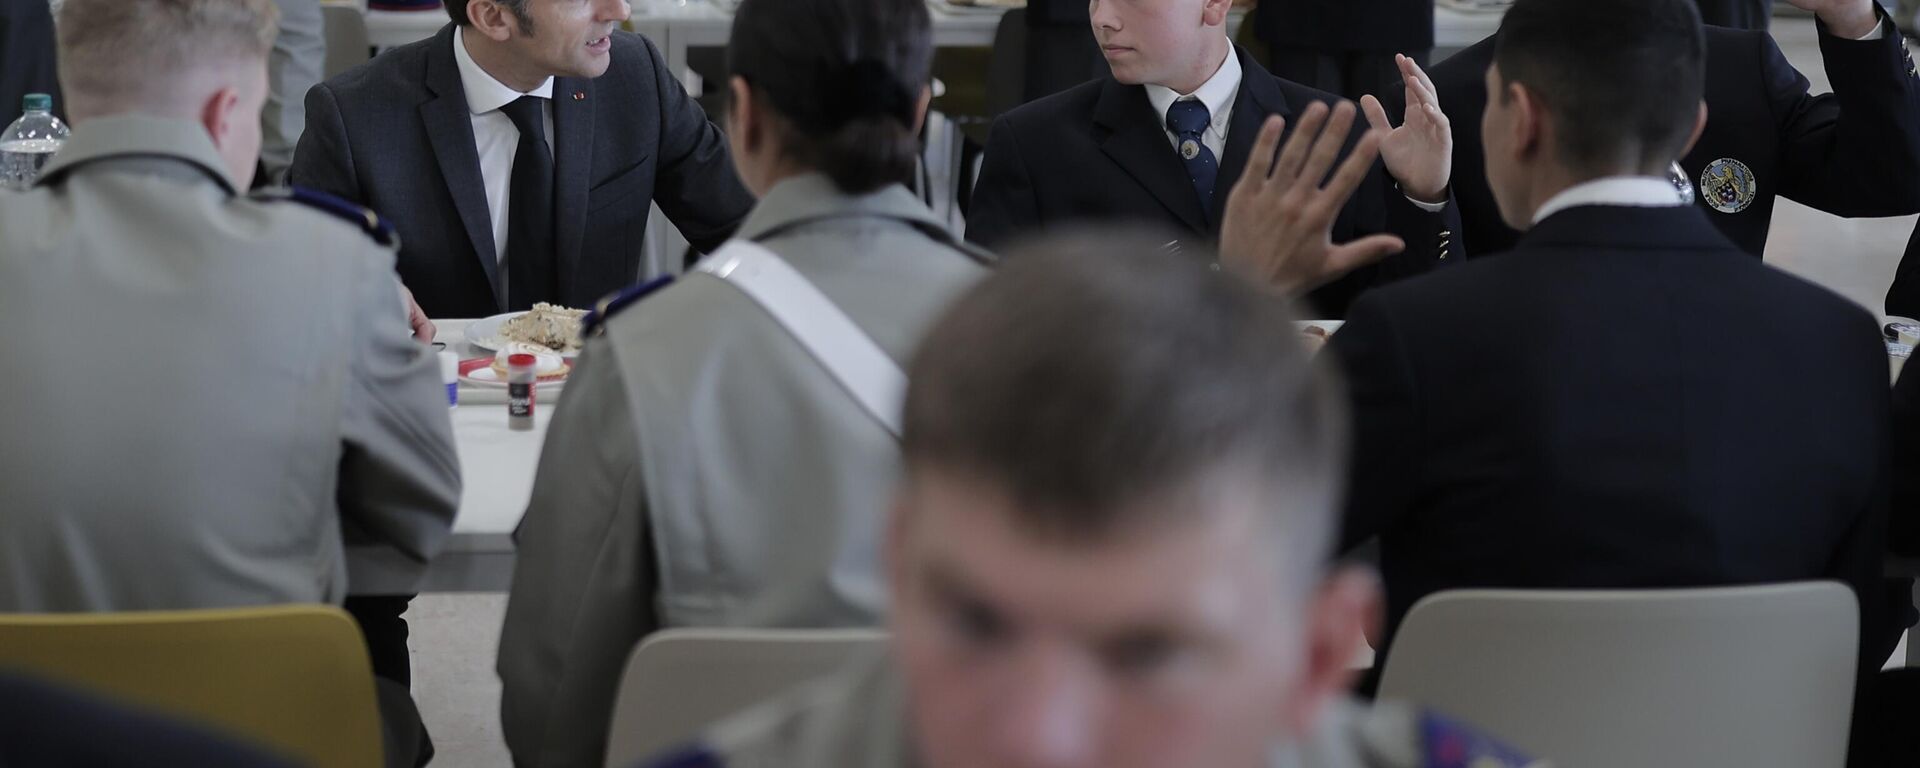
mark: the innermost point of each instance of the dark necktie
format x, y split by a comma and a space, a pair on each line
530, 267
1188, 119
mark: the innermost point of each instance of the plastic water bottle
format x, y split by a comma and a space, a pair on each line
27, 144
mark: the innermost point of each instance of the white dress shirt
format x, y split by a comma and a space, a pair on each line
1217, 93
495, 137
1619, 191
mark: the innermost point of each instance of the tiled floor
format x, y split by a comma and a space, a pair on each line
455, 636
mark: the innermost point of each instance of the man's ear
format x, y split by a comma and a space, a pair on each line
1699, 127
493, 20
1214, 13
920, 109
743, 116
1347, 604
217, 115
1529, 121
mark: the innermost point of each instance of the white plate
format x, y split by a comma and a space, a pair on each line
488, 378
485, 333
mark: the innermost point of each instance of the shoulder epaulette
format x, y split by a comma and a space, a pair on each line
605, 309
1449, 744
369, 222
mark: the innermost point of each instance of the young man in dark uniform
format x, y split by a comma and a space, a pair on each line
1165, 137
1854, 152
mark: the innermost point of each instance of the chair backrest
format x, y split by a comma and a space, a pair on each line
680, 681
294, 679
1759, 677
347, 43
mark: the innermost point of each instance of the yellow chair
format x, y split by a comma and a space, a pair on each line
294, 679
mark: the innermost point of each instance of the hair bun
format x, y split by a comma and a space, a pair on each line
866, 88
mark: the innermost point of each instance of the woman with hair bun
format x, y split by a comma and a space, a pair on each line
705, 467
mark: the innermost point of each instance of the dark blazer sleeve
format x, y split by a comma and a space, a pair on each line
697, 186
323, 159
1004, 203
1432, 238
1373, 357
1855, 152
1903, 525
1886, 606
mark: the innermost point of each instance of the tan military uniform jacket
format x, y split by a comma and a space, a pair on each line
703, 469
202, 390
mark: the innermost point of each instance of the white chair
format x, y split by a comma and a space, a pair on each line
680, 681
1756, 677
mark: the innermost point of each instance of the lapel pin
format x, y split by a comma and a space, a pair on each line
579, 95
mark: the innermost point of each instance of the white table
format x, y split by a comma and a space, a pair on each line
497, 467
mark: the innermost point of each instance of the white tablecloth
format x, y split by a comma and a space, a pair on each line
497, 466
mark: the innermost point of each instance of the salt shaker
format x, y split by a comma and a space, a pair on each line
520, 392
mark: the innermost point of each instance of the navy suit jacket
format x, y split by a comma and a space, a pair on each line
1854, 152
1625, 400
1097, 154
395, 135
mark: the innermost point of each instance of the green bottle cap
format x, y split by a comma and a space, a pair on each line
38, 102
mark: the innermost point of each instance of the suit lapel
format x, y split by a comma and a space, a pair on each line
1258, 98
450, 129
1139, 145
573, 119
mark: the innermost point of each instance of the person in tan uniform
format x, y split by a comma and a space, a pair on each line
1111, 544
704, 467
213, 397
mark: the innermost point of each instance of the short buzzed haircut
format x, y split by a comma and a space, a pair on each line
1623, 79
126, 53
1092, 376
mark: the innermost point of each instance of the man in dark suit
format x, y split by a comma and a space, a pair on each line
1854, 152
539, 191
1344, 46
492, 214
1626, 399
1166, 136
26, 57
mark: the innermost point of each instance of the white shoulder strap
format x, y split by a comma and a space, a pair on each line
848, 353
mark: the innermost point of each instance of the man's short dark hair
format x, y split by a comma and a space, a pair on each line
1622, 79
458, 10
1093, 376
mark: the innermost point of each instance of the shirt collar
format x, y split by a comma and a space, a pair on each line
140, 136
1619, 191
1217, 92
484, 93
812, 196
